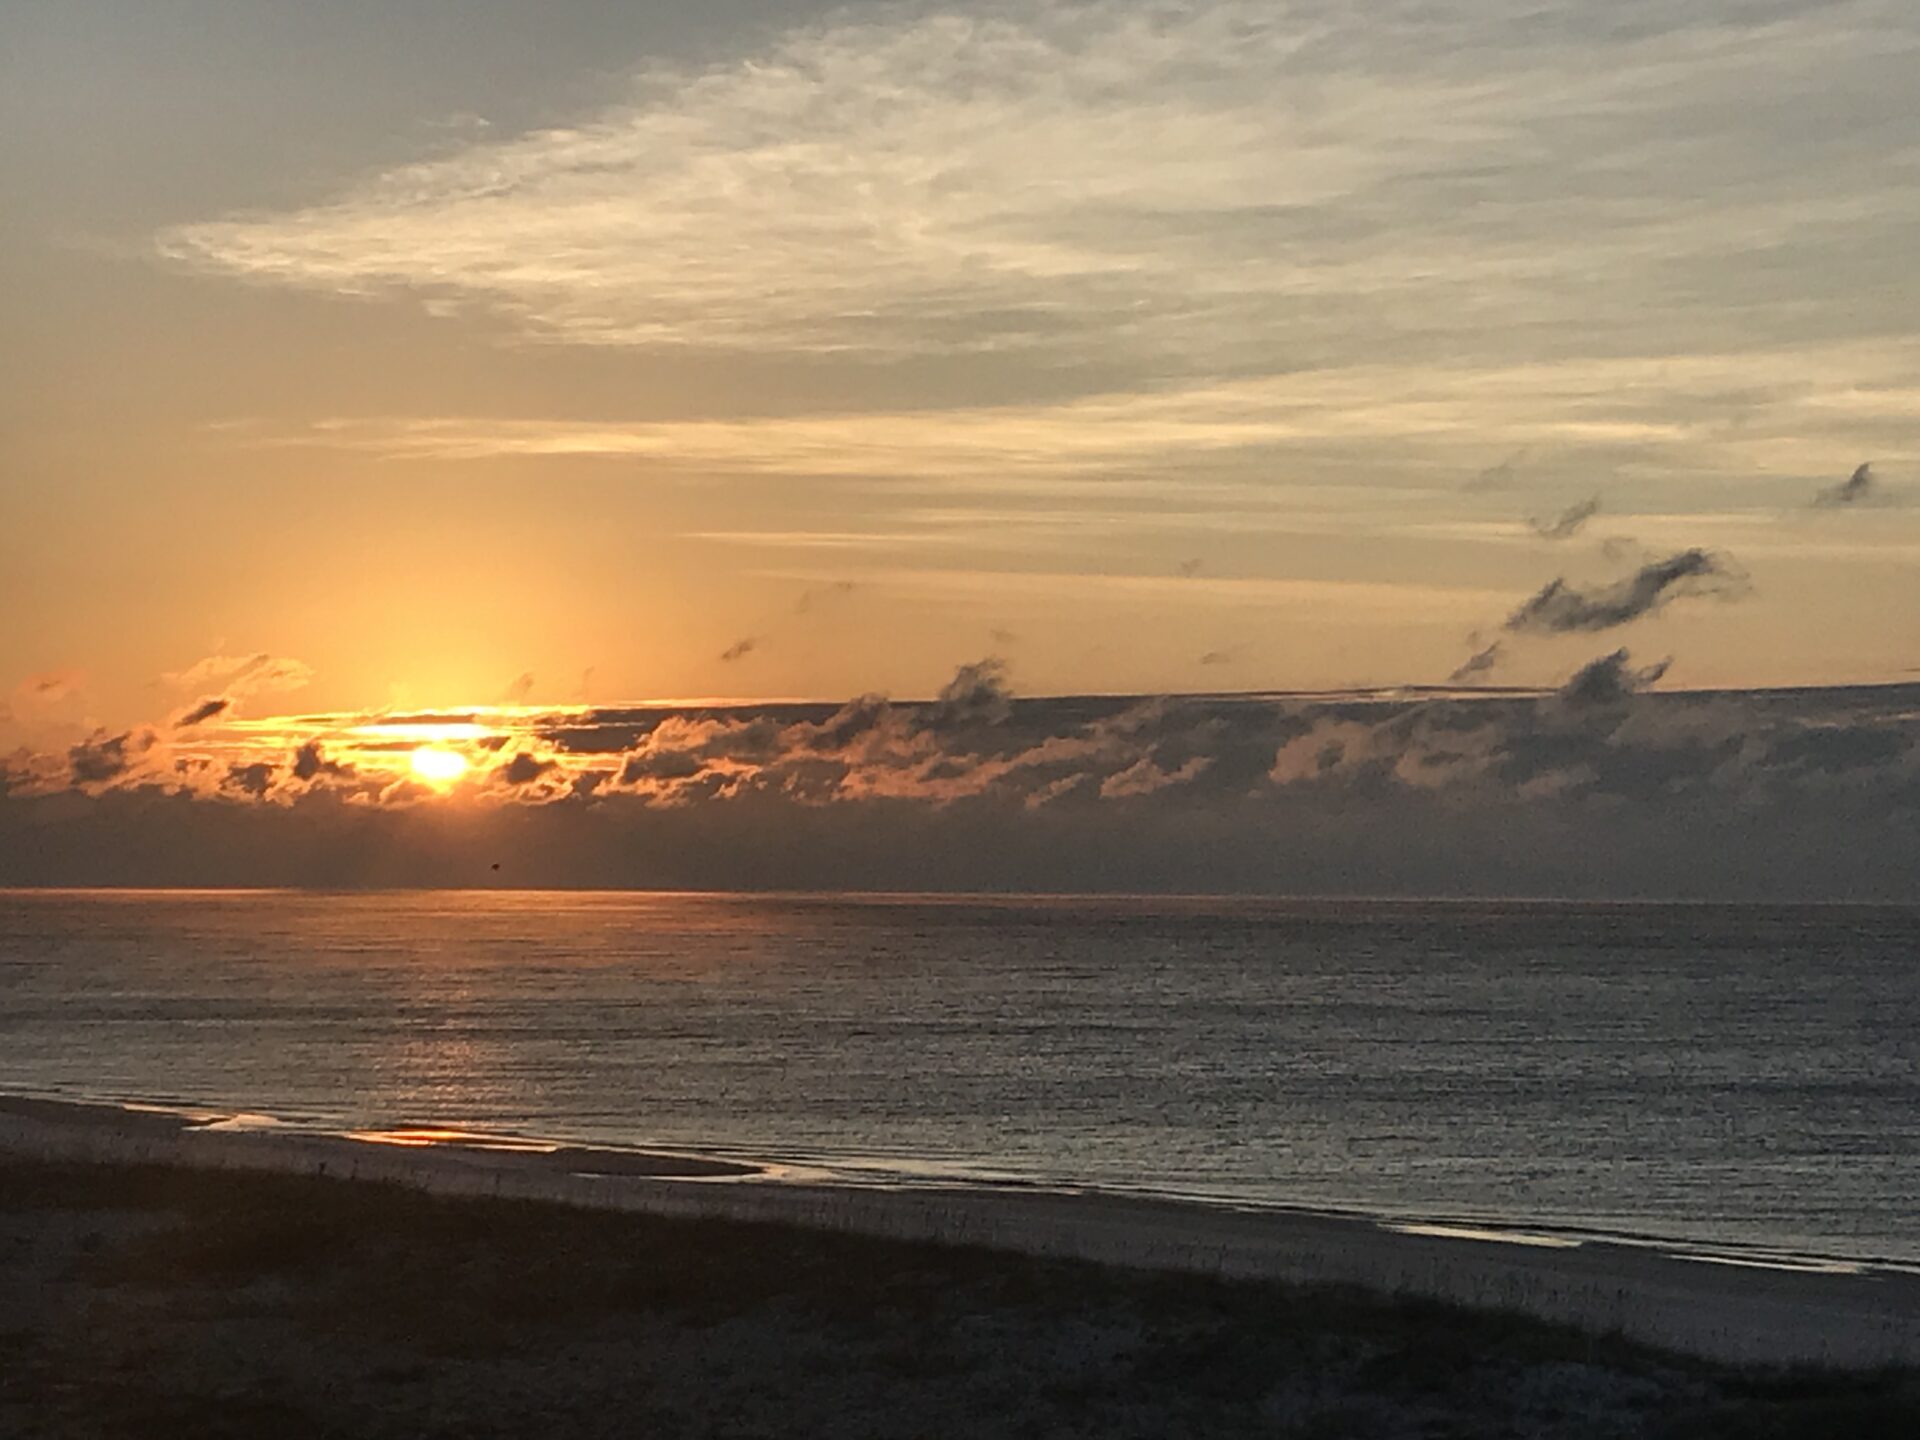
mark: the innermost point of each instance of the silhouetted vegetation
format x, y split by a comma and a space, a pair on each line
161, 1303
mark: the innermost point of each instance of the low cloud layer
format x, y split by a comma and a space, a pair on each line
1598, 787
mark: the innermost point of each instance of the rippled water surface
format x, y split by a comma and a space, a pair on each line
1745, 1074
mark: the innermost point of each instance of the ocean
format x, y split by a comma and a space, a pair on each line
1746, 1076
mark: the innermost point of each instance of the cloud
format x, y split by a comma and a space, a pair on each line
1479, 663
311, 763
1270, 249
787, 200
1603, 786
1610, 679
1558, 608
1413, 422
976, 695
35, 699
253, 779
1144, 777
206, 710
660, 765
1856, 488
103, 758
1601, 738
239, 676
815, 595
1500, 474
50, 687
523, 769
1188, 182
1568, 522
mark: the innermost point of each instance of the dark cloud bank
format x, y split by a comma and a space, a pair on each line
1599, 789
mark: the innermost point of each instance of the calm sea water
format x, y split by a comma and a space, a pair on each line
1740, 1074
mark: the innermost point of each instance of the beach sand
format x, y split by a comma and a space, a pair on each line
1731, 1307
157, 1302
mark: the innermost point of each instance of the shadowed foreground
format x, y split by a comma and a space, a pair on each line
156, 1302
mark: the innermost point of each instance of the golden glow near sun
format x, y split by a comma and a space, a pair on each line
437, 766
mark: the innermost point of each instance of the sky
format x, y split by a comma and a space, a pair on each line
443, 393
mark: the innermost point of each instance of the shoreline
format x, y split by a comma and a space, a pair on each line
1696, 1300
697, 1161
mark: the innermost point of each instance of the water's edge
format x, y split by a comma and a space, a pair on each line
1724, 1306
722, 1163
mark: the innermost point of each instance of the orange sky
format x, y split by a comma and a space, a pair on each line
815, 355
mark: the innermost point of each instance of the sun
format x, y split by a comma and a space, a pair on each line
437, 766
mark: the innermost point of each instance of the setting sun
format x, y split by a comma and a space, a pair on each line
437, 766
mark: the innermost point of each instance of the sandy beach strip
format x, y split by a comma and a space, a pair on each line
1722, 1306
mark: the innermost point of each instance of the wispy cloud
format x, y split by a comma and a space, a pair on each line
40, 698
1854, 490
208, 709
1562, 609
815, 596
1379, 423
1500, 474
242, 675
1482, 662
1568, 523
49, 687
1066, 178
1342, 597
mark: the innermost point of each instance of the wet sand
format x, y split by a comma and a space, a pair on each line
1723, 1306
